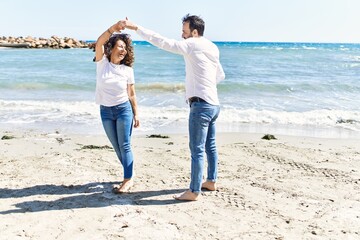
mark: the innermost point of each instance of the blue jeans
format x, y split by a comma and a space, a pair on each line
117, 122
202, 139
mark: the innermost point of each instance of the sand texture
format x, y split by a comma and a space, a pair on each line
58, 186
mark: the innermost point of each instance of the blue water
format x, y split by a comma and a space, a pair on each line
308, 89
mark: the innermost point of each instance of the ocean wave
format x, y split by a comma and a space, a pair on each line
273, 87
86, 114
315, 117
162, 87
90, 86
229, 85
46, 86
23, 111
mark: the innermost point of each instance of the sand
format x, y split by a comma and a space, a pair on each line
58, 186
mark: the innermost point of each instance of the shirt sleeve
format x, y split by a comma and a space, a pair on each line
131, 79
182, 47
220, 74
101, 64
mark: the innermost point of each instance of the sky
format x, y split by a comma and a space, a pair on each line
336, 21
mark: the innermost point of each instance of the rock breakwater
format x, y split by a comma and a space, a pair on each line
52, 42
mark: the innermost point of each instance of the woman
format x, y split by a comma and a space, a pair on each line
115, 93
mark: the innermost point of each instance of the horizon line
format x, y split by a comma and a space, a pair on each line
254, 42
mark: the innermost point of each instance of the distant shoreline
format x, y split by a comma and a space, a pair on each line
53, 42
68, 42
142, 42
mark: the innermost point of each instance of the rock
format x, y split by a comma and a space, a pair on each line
54, 42
268, 137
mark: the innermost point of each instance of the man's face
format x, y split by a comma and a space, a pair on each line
186, 32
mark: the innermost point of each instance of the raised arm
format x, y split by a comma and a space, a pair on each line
167, 44
104, 37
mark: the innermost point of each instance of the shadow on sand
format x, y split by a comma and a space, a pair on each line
90, 195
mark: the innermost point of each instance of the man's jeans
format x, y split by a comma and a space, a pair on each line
202, 138
117, 122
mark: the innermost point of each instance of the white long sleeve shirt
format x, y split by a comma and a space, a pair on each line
203, 68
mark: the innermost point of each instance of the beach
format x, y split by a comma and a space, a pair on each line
57, 185
288, 131
58, 169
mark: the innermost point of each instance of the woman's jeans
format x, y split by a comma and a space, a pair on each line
202, 139
117, 122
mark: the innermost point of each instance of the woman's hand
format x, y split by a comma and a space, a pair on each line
136, 121
99, 46
117, 27
128, 24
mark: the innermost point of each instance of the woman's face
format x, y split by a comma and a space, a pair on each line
119, 52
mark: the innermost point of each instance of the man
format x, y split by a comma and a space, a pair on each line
203, 72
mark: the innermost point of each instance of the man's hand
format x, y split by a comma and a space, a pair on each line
117, 27
120, 26
128, 24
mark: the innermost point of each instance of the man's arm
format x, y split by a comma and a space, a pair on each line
220, 74
171, 45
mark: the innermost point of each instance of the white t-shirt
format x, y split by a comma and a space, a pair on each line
111, 82
203, 68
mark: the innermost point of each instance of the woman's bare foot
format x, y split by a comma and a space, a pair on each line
211, 186
187, 196
124, 187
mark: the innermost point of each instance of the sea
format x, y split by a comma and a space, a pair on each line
300, 89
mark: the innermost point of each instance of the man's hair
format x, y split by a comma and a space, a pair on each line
111, 43
195, 22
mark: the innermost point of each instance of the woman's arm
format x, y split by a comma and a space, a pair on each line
132, 98
99, 46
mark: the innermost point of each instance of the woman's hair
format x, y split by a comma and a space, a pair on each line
111, 43
195, 22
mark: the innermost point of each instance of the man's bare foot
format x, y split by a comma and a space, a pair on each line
211, 186
124, 187
187, 196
